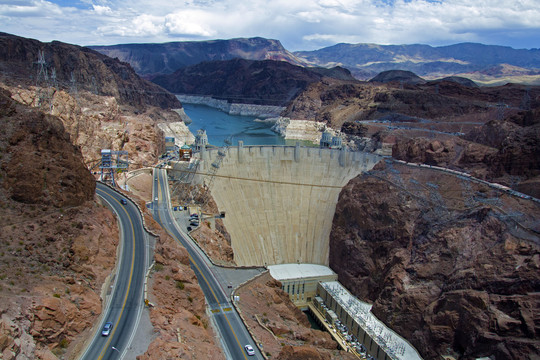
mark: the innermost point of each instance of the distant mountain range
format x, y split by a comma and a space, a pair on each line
486, 64
367, 60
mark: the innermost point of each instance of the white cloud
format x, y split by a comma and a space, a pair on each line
102, 10
299, 24
190, 22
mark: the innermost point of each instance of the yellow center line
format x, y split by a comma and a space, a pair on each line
204, 277
129, 283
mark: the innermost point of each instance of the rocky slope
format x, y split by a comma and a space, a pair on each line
58, 245
444, 265
264, 82
151, 60
506, 151
89, 69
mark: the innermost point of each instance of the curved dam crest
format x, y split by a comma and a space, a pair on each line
280, 200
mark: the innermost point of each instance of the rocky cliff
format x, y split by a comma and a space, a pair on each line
265, 82
79, 67
445, 265
58, 245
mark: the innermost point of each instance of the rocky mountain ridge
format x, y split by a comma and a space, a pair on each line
367, 60
483, 63
78, 68
150, 60
263, 82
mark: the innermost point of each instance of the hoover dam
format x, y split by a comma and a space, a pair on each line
280, 200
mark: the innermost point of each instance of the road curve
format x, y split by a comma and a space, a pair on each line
232, 331
124, 305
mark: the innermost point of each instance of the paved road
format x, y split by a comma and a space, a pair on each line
124, 306
232, 330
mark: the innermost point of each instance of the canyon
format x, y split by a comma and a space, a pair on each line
452, 265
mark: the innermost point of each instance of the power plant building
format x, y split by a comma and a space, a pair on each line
300, 280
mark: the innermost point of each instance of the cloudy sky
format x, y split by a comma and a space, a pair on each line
298, 24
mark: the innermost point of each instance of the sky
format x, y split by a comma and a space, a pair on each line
298, 24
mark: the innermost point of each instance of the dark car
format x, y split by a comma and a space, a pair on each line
123, 201
107, 329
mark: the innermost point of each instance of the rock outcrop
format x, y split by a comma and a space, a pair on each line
444, 268
37, 152
58, 245
79, 67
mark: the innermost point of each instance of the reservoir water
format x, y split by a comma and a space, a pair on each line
219, 126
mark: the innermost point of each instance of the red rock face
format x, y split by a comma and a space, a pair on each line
40, 164
451, 277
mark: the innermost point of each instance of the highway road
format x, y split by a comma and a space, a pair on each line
124, 305
232, 331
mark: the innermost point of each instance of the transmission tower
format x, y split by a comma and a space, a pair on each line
42, 83
500, 110
111, 163
54, 83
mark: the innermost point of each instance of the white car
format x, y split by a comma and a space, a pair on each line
249, 350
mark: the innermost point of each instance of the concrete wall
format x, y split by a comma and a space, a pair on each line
280, 201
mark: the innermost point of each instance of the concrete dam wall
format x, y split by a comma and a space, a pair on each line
280, 200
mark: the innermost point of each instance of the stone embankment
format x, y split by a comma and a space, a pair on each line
261, 111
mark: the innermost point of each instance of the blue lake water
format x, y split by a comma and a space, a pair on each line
219, 126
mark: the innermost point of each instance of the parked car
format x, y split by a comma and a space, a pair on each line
107, 328
249, 350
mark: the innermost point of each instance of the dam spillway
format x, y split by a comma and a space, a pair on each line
280, 200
